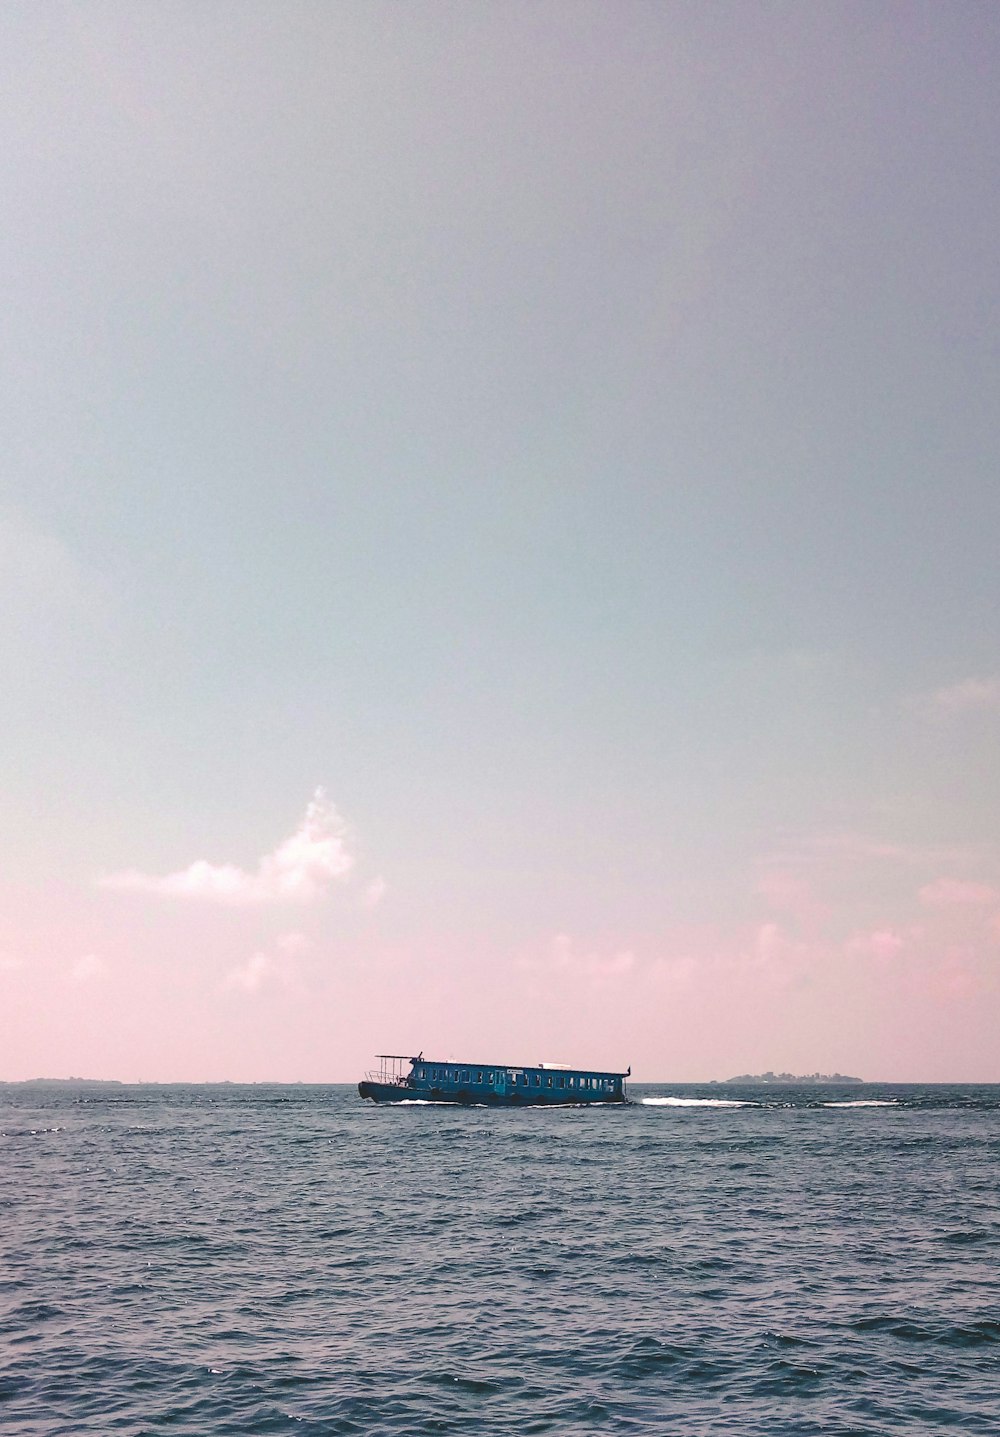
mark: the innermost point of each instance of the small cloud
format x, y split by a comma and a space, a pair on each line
251, 976
87, 968
10, 963
882, 944
615, 965
292, 945
948, 892
679, 972
300, 869
564, 959
280, 969
958, 975
769, 942
976, 695
771, 956
374, 892
786, 892
843, 848
35, 566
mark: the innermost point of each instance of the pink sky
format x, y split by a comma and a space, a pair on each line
566, 432
293, 969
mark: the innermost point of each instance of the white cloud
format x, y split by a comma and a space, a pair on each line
10, 963
976, 695
293, 944
35, 566
882, 944
87, 968
948, 892
250, 976
278, 969
562, 957
374, 892
301, 868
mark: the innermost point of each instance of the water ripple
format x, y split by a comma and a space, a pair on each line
235, 1261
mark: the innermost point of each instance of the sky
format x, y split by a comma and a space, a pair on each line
499, 534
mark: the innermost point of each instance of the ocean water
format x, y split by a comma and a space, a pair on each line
255, 1260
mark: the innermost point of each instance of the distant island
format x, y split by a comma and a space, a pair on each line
64, 1083
797, 1078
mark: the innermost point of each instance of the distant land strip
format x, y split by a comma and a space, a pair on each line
770, 1077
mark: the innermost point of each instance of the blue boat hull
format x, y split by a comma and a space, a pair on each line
468, 1098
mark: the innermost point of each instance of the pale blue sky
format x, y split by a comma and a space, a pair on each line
567, 431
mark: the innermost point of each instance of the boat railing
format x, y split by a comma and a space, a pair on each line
391, 1073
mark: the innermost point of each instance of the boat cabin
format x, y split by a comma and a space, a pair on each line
490, 1083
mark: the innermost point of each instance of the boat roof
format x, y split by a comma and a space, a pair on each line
517, 1067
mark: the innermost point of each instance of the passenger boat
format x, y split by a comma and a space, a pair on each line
490, 1084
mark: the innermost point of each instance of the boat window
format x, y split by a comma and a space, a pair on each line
562, 1081
538, 1081
479, 1077
550, 1080
524, 1079
465, 1075
420, 1072
571, 1081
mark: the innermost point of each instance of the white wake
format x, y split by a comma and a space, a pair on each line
696, 1103
865, 1103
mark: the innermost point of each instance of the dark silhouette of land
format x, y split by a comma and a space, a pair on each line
793, 1078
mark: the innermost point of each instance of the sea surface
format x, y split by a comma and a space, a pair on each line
257, 1260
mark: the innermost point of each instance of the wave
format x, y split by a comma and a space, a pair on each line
28, 1132
698, 1103
865, 1103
